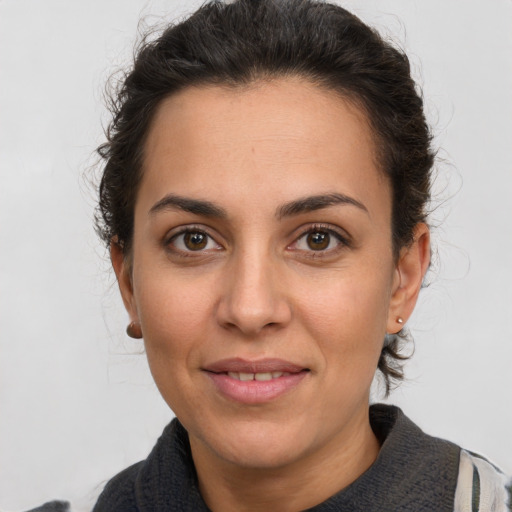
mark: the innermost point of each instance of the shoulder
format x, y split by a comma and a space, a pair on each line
119, 493
435, 473
481, 486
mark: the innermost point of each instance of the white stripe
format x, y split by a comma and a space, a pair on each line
464, 491
493, 493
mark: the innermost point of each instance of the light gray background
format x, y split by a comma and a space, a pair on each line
77, 403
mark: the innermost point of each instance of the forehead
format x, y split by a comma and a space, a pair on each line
286, 136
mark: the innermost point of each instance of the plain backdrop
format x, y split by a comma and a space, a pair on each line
77, 403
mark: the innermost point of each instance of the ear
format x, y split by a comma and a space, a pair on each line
410, 270
123, 270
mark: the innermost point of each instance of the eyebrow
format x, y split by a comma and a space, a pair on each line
186, 204
296, 207
318, 202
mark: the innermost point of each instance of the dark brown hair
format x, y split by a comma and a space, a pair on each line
236, 43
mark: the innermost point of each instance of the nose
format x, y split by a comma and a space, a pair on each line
253, 298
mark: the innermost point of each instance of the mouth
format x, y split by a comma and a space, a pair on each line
239, 365
254, 382
262, 376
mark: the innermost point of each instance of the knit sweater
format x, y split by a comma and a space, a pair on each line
412, 473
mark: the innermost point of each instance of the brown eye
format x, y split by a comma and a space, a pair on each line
195, 240
192, 241
318, 240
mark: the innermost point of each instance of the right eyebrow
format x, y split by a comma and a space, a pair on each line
187, 204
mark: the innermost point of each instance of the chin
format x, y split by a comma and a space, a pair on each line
254, 444
264, 456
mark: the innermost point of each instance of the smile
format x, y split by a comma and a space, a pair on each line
254, 382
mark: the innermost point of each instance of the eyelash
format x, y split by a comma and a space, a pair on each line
343, 241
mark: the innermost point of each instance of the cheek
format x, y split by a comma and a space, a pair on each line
175, 312
175, 320
347, 316
347, 303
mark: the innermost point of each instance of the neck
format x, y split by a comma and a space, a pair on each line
299, 485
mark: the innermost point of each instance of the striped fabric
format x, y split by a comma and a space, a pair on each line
481, 487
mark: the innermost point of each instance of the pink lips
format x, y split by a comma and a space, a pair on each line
225, 375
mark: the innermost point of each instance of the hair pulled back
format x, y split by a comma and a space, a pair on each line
236, 43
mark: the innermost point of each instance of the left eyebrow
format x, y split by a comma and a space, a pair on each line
318, 202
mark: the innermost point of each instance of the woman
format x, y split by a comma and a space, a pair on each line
264, 198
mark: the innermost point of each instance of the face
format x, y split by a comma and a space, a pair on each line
262, 271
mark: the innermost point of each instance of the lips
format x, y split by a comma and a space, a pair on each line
254, 382
238, 365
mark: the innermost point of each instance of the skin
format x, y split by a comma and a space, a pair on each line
259, 290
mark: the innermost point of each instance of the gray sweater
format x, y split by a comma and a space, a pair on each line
413, 472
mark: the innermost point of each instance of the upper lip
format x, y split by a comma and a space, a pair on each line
238, 364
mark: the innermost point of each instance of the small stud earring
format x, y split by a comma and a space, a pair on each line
400, 320
134, 331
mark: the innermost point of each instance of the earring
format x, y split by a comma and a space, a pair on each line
400, 320
134, 331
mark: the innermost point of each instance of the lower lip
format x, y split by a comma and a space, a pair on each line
255, 391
